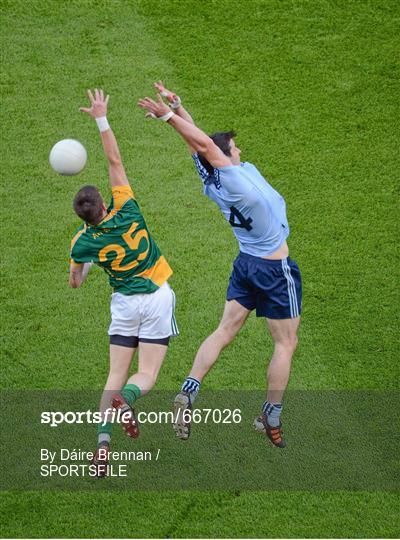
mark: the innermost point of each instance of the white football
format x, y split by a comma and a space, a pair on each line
68, 157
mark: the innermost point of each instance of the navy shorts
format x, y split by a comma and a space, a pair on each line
272, 288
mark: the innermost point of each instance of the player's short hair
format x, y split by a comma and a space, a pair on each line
88, 204
222, 140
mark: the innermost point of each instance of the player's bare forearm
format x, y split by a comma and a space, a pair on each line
86, 269
116, 169
189, 132
194, 137
182, 112
199, 141
110, 146
78, 274
98, 111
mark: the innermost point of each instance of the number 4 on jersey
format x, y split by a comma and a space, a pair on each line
243, 222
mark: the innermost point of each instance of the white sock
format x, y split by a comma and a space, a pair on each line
273, 411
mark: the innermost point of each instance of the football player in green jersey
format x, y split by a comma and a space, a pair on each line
142, 305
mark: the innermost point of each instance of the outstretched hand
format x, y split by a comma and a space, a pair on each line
171, 97
98, 104
154, 108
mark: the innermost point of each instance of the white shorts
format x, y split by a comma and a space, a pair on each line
147, 316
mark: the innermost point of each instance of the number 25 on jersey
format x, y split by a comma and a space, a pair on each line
133, 241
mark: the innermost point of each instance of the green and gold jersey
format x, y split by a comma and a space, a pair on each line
122, 245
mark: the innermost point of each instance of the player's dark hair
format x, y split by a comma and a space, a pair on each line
222, 140
88, 204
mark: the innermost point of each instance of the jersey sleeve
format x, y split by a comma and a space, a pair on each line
121, 194
78, 253
233, 180
201, 170
123, 209
77, 259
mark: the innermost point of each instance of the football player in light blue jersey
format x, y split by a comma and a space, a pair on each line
263, 278
240, 191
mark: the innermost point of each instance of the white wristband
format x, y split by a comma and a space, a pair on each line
102, 123
165, 117
176, 103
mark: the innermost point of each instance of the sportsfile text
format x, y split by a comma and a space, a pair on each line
216, 416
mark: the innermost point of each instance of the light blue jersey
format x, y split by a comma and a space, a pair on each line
255, 210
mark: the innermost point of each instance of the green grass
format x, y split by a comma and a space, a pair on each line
310, 86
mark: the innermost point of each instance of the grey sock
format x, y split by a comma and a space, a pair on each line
104, 437
273, 411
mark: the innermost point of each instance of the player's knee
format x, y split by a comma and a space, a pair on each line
226, 333
290, 343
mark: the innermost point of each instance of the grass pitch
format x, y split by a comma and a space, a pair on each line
311, 89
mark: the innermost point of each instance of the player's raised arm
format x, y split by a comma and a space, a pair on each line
194, 137
98, 111
174, 101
